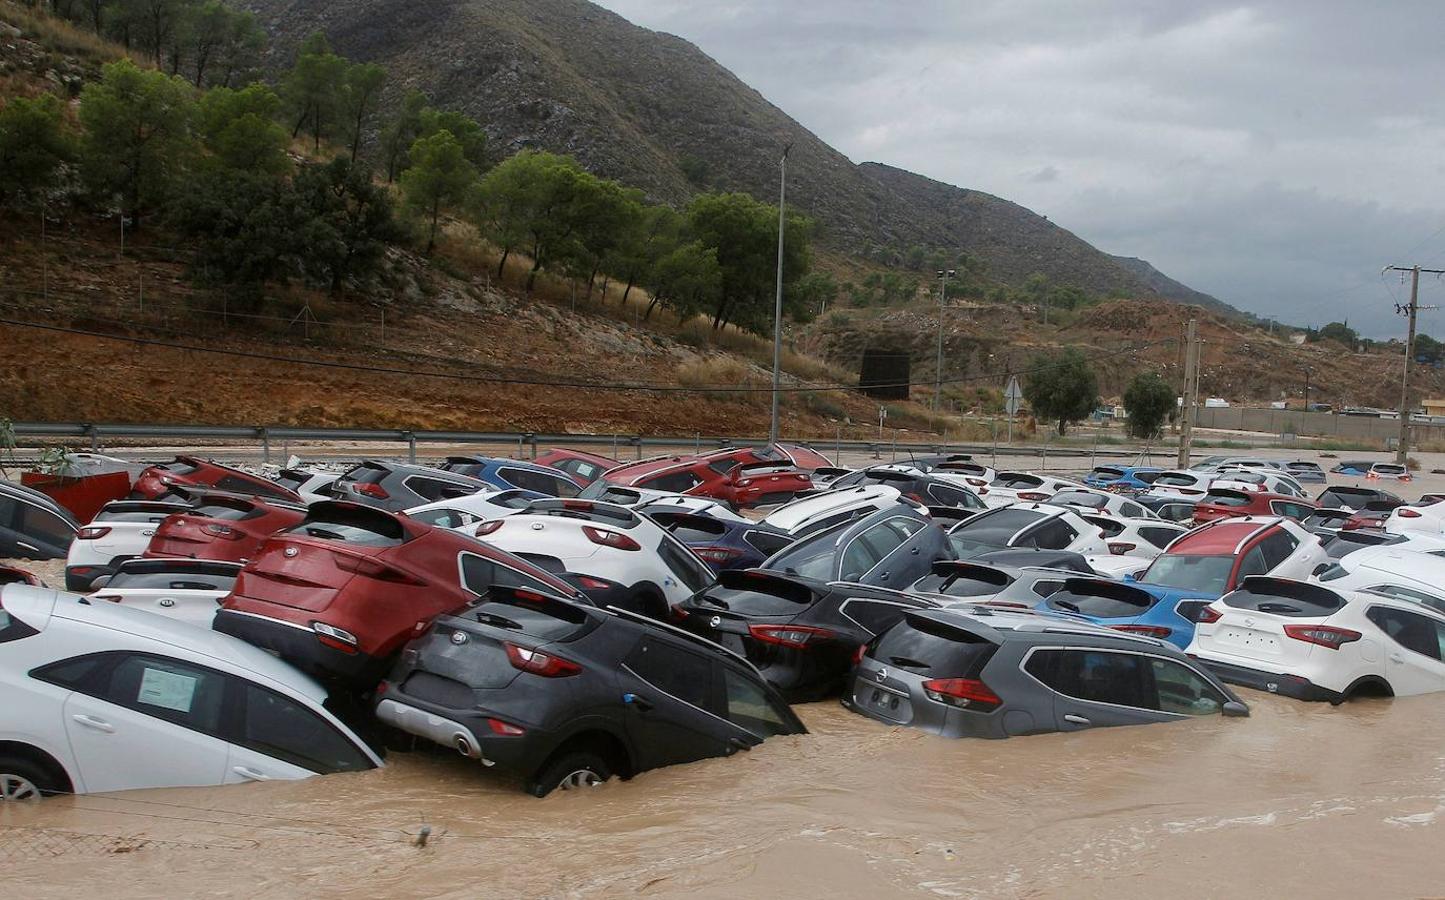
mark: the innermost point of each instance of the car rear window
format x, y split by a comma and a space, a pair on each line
1013, 480
226, 511
291, 479
1101, 598
757, 594
151, 517
173, 580
11, 628
1346, 496
1389, 469
1080, 498
366, 474
926, 647
1206, 574
1285, 598
992, 530
544, 618
1176, 479
689, 528
354, 525
963, 580
179, 467
463, 465
1106, 472
1226, 498
767, 543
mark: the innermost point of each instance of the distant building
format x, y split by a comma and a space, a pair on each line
1434, 407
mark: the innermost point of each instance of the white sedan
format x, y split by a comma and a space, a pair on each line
1317, 642
103, 698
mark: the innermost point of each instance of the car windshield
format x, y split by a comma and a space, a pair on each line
1205, 574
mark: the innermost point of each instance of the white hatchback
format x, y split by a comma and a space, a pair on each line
1315, 642
190, 590
121, 530
103, 698
462, 513
819, 512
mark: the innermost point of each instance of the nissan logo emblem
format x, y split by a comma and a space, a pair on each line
459, 637
715, 621
882, 674
290, 552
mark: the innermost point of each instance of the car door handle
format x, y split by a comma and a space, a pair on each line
642, 703
93, 722
251, 774
914, 551
1076, 720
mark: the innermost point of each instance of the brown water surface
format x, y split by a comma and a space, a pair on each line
1298, 800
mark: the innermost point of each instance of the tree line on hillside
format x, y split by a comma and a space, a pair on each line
300, 179
1427, 350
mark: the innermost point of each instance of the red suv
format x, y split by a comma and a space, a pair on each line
157, 481
222, 527
1227, 503
713, 474
339, 594
581, 466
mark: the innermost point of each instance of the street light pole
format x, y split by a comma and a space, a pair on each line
778, 302
943, 276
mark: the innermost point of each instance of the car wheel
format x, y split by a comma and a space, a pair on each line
22, 781
573, 771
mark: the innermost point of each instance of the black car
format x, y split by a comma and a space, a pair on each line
801, 633
722, 543
33, 526
1343, 496
567, 695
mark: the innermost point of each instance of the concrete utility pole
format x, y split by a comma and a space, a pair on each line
1412, 310
1191, 391
778, 303
943, 276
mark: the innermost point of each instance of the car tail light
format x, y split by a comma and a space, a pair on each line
505, 729
371, 568
369, 489
539, 663
858, 654
1408, 513
593, 584
799, 637
487, 528
964, 693
1324, 635
678, 614
92, 532
1032, 495
717, 554
1120, 548
335, 638
1154, 631
1369, 476
1208, 615
614, 539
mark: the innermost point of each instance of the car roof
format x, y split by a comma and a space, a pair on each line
1002, 625
791, 515
1223, 537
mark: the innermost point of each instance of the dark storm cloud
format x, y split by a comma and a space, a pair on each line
1274, 154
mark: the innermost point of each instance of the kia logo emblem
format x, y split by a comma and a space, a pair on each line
459, 637
290, 552
715, 621
882, 674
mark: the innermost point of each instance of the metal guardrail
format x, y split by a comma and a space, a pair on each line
97, 433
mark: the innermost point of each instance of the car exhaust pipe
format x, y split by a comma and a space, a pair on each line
463, 743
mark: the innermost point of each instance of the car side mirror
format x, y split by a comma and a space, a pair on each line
100, 582
1129, 578
1235, 709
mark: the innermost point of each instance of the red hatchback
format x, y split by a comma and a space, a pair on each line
222, 527
340, 593
583, 467
156, 481
1227, 503
715, 474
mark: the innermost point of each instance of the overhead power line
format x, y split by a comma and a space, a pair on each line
540, 382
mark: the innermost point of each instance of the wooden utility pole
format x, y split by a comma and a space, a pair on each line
1191, 389
1411, 311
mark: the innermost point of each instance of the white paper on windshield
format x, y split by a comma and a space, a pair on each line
167, 690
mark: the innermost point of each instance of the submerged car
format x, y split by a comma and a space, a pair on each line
1123, 479
890, 548
568, 695
820, 512
918, 486
1224, 503
1314, 642
709, 474
801, 633
995, 582
1345, 496
156, 482
1024, 487
1305, 472
1165, 615
311, 485
977, 671
338, 594
463, 513
101, 698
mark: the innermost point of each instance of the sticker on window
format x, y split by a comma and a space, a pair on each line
168, 690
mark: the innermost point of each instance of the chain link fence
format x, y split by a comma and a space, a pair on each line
25, 843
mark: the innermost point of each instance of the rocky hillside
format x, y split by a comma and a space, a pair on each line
1173, 290
653, 110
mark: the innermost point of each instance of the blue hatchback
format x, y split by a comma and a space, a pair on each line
508, 474
1152, 610
1122, 478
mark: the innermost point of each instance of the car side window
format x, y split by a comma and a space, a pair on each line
1412, 631
858, 557
1182, 690
765, 543
750, 707
1047, 588
540, 482
1277, 548
444, 518
1159, 537
1404, 593
1096, 676
167, 689
678, 482
429, 488
723, 466
673, 670
948, 496
1055, 534
45, 525
1252, 564
480, 574
1132, 510
874, 616
691, 573
282, 728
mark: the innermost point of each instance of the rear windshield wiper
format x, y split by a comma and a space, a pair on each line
496, 621
908, 663
713, 601
1071, 607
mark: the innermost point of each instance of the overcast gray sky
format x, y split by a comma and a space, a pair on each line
1276, 155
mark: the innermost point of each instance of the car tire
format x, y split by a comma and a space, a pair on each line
571, 771
23, 781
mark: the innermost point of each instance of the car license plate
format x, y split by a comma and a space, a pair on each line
1250, 640
887, 704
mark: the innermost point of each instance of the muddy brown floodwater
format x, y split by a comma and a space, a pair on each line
1299, 800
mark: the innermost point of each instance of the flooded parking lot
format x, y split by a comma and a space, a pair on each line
1298, 800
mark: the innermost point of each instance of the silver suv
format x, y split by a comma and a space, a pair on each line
981, 672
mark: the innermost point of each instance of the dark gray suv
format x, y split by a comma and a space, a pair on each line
395, 487
981, 672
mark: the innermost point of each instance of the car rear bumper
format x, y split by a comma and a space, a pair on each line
301, 647
468, 733
1296, 686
